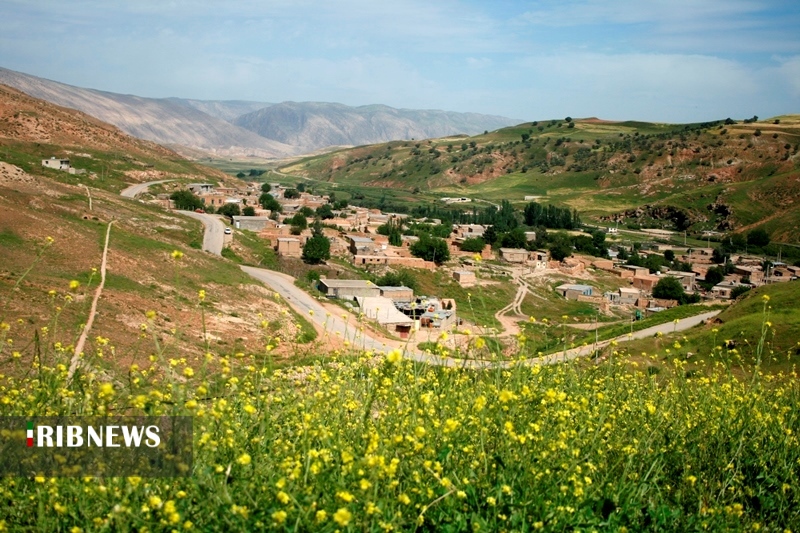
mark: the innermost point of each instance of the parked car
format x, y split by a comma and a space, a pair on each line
198, 210
228, 231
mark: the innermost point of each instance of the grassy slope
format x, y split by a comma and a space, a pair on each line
689, 168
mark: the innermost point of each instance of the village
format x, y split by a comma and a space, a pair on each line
356, 237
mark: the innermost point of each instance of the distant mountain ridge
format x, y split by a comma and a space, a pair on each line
245, 128
314, 125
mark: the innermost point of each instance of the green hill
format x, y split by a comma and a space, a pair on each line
725, 175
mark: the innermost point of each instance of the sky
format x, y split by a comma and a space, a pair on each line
656, 60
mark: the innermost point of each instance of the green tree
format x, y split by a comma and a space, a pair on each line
325, 212
230, 210
185, 199
714, 275
307, 211
317, 249
299, 220
402, 278
301, 187
431, 249
266, 187
473, 244
267, 201
669, 288
758, 237
291, 193
249, 211
560, 246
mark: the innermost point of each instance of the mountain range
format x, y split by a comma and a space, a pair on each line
245, 128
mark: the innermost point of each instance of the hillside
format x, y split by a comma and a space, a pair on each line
223, 109
48, 226
314, 125
235, 128
714, 176
162, 120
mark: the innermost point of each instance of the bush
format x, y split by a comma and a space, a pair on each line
317, 249
473, 244
186, 200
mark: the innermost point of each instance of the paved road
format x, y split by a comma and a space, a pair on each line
302, 302
214, 234
669, 327
134, 190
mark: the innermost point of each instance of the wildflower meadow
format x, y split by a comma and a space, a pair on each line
361, 441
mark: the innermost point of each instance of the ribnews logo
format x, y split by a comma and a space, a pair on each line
96, 446
104, 436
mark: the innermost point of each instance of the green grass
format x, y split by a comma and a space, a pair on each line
358, 443
477, 304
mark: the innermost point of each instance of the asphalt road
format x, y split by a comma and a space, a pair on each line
214, 234
134, 190
302, 302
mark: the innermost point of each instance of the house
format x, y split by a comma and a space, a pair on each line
465, 278
467, 231
539, 259
397, 294
361, 245
645, 282
724, 289
431, 312
201, 188
513, 255
571, 291
628, 295
637, 270
58, 164
252, 223
346, 289
289, 247
686, 278
383, 311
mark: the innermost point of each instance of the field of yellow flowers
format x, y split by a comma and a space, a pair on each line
375, 442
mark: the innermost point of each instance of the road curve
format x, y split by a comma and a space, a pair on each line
214, 234
302, 302
134, 190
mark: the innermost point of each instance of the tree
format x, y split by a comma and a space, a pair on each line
490, 235
317, 249
307, 211
514, 239
325, 212
714, 275
473, 244
269, 202
669, 255
186, 200
266, 187
230, 210
301, 187
431, 249
298, 221
403, 278
758, 237
560, 246
669, 288
249, 211
718, 255
291, 193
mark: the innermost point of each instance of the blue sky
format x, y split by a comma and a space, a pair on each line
669, 61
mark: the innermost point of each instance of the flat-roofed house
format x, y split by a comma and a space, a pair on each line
571, 291
347, 288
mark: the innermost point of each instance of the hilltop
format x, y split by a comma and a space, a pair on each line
728, 175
